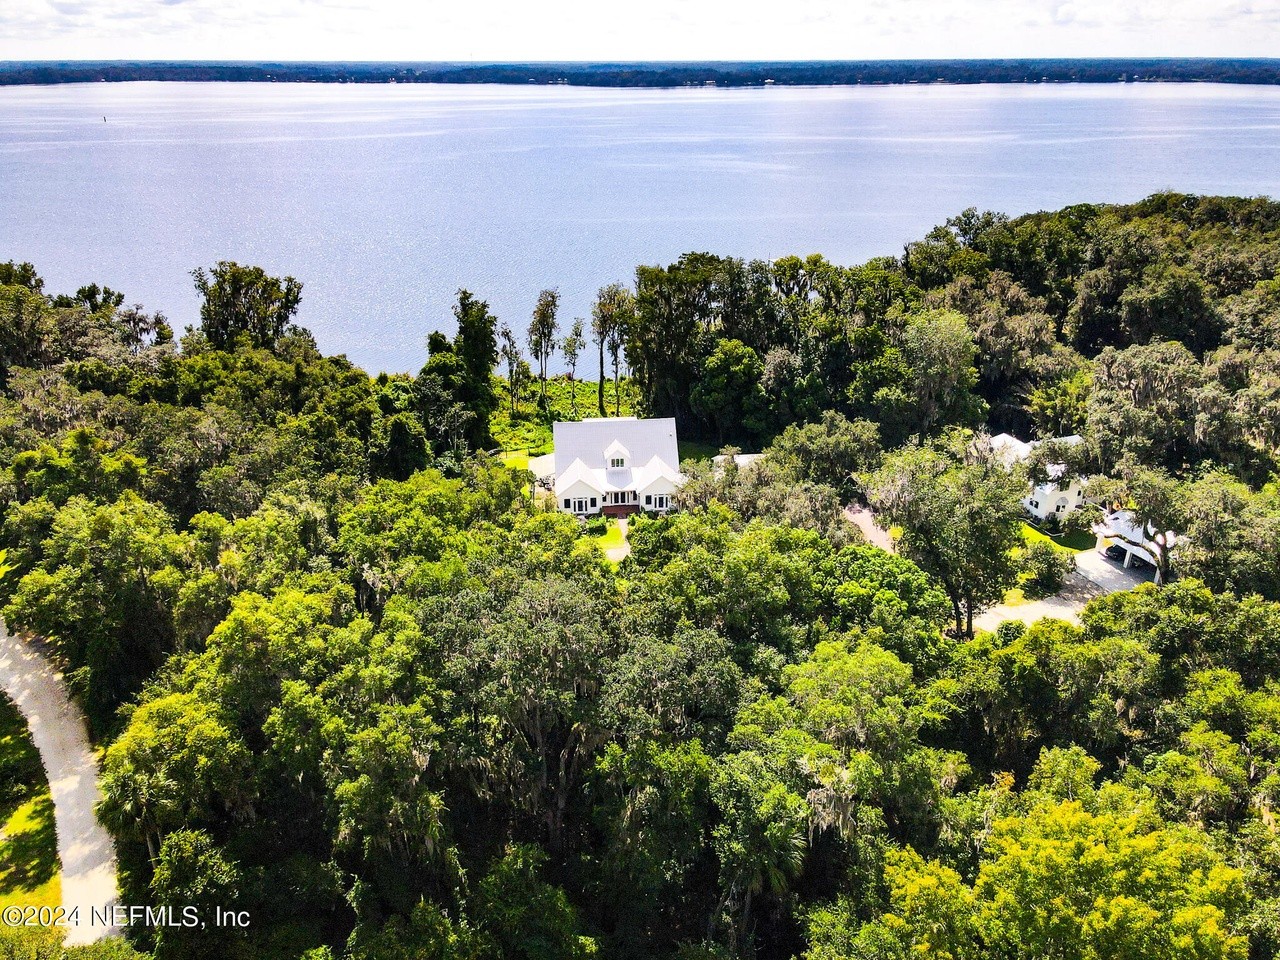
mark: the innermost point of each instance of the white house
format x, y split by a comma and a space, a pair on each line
616, 466
1060, 493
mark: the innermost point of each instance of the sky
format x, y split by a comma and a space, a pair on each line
631, 30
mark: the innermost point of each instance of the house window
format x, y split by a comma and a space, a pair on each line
593, 503
578, 505
648, 500
661, 501
566, 504
1035, 504
617, 462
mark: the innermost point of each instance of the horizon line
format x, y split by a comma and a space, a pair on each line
1162, 58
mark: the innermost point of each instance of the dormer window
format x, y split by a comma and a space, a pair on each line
616, 456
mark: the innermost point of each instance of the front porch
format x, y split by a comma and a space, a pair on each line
616, 510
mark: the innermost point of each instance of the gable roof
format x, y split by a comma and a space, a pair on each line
579, 472
656, 469
1011, 450
583, 450
591, 440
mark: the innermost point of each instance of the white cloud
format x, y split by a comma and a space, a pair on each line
654, 29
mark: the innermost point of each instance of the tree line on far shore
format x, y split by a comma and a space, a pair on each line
729, 74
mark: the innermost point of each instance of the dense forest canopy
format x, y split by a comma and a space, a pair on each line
351, 674
665, 74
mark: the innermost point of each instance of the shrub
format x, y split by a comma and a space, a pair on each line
1080, 519
1043, 567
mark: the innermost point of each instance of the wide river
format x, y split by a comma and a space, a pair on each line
384, 200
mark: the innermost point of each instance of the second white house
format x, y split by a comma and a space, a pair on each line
1057, 496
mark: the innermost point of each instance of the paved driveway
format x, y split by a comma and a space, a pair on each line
58, 731
1066, 605
1095, 576
543, 467
1109, 574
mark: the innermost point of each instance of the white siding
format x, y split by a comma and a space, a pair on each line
1044, 499
581, 498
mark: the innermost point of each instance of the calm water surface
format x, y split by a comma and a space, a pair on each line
384, 200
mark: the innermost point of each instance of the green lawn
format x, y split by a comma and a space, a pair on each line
1077, 541
696, 450
29, 873
612, 537
528, 430
515, 459
1014, 597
